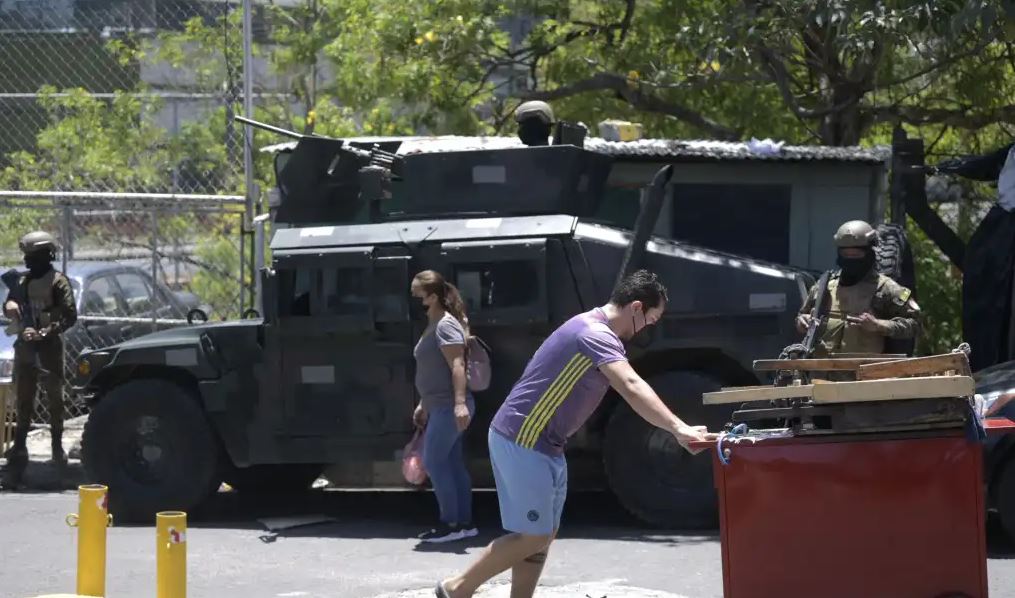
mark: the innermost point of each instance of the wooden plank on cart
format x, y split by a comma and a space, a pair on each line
956, 363
893, 389
833, 364
747, 394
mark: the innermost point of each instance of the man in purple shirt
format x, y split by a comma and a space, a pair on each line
562, 385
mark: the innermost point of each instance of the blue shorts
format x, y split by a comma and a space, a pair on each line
531, 487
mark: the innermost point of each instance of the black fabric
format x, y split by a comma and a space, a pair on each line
987, 289
978, 168
38, 264
854, 269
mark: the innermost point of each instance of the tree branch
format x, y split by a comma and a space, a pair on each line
637, 98
962, 118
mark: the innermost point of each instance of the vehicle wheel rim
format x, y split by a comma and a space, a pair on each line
673, 466
143, 451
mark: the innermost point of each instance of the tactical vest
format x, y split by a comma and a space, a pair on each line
868, 295
40, 297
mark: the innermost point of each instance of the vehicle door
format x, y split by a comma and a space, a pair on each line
504, 286
345, 340
146, 305
102, 312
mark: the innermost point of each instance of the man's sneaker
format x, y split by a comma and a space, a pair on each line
469, 530
443, 533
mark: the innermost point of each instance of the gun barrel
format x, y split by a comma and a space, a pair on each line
267, 127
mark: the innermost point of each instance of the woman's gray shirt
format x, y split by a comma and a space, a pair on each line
433, 376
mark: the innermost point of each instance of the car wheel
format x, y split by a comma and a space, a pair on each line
150, 443
652, 476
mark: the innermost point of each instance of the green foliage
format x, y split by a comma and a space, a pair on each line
829, 71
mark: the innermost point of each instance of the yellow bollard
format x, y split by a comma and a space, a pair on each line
92, 519
171, 554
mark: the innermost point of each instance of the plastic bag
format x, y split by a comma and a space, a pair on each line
412, 460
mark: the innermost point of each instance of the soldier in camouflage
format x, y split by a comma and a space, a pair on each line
865, 307
49, 311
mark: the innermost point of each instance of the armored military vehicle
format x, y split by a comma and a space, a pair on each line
323, 378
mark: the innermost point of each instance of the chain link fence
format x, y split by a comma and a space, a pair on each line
117, 136
137, 263
124, 96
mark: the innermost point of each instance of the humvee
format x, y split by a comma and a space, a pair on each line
321, 378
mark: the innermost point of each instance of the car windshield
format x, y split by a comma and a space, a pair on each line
996, 377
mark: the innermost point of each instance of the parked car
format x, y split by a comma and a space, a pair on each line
996, 384
115, 303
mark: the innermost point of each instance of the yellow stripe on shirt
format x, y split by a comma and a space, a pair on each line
551, 390
549, 403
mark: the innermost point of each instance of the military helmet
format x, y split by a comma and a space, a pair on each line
37, 241
534, 109
855, 233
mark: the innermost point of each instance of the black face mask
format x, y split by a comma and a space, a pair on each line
38, 263
854, 269
644, 337
417, 310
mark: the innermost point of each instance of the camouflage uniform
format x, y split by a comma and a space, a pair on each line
876, 294
51, 301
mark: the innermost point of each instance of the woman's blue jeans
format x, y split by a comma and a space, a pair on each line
444, 460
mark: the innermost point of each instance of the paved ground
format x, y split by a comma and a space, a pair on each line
368, 551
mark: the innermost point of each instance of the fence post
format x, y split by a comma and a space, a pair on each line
155, 266
67, 223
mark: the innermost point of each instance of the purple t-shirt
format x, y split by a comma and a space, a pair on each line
561, 385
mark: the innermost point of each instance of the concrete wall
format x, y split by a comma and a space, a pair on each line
824, 195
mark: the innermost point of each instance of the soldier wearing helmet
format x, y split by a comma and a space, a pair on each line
864, 307
535, 121
41, 303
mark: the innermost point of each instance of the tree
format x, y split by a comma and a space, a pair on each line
808, 70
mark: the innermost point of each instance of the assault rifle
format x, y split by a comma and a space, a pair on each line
805, 348
19, 294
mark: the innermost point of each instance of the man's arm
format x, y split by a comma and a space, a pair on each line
63, 297
647, 404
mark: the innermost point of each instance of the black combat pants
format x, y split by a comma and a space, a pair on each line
26, 379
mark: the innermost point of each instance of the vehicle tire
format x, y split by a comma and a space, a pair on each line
652, 476
273, 479
150, 443
895, 260
894, 256
1006, 496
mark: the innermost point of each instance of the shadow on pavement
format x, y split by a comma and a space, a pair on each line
406, 514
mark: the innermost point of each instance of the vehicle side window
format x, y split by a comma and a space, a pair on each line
295, 288
498, 284
136, 294
102, 298
344, 292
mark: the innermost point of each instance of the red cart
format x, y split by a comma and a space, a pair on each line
870, 488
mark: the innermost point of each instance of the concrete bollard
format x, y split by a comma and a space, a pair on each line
91, 520
171, 554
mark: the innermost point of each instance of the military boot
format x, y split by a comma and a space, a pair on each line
56, 446
17, 460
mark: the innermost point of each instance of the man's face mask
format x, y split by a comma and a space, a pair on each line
642, 336
37, 262
855, 268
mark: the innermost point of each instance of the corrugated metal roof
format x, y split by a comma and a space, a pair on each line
649, 149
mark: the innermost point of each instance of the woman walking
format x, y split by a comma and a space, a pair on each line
446, 406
